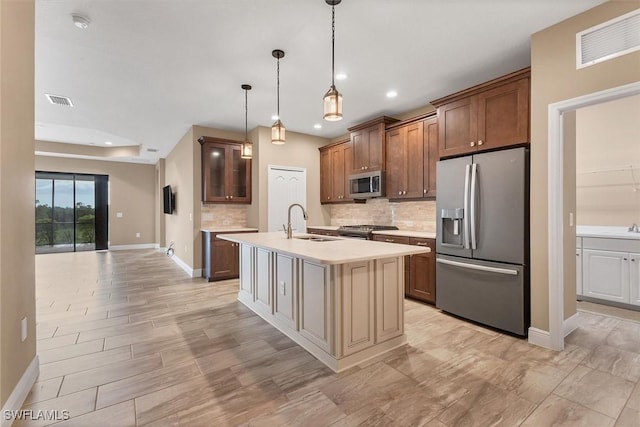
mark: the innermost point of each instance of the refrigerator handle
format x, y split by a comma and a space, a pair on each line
487, 268
465, 219
472, 202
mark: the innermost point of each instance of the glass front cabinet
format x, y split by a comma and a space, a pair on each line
226, 177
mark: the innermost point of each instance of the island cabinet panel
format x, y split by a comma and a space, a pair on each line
316, 305
263, 272
491, 115
246, 270
358, 308
389, 299
286, 298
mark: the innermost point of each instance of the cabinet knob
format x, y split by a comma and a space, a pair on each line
625, 259
404, 192
480, 142
361, 168
231, 197
366, 167
389, 240
422, 244
472, 144
633, 259
424, 191
577, 254
399, 193
328, 197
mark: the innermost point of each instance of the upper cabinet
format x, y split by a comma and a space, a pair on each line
226, 177
411, 155
335, 167
491, 115
367, 140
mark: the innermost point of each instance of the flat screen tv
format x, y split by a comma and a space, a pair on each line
169, 200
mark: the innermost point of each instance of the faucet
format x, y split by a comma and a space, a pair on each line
634, 228
288, 229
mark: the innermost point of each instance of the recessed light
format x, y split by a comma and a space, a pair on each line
317, 126
274, 117
341, 76
80, 21
108, 143
392, 94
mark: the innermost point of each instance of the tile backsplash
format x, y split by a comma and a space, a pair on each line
214, 216
415, 216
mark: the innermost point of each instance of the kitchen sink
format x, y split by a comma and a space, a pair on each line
315, 238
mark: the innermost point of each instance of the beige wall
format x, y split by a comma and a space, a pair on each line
608, 141
159, 202
554, 78
17, 185
132, 191
300, 150
416, 216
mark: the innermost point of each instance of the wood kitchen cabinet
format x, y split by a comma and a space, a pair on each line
368, 142
335, 164
226, 177
419, 270
220, 258
491, 115
411, 156
322, 232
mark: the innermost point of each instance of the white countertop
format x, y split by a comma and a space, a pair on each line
611, 232
228, 229
338, 251
408, 233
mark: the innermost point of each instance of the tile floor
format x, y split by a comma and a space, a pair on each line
126, 339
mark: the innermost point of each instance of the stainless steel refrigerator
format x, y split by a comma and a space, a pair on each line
482, 247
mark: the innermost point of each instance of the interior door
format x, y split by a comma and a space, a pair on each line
286, 185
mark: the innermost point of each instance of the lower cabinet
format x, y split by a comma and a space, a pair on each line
322, 231
610, 270
420, 270
357, 307
220, 258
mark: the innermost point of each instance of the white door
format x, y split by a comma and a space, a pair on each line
606, 275
634, 278
286, 185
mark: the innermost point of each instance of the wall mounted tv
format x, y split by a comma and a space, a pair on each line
169, 200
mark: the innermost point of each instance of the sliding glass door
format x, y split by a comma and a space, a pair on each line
66, 208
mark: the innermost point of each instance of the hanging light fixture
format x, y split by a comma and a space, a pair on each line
332, 99
247, 146
277, 129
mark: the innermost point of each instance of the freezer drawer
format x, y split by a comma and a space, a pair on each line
490, 293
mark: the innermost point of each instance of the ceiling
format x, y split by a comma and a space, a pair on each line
144, 71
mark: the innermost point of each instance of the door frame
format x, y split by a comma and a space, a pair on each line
555, 212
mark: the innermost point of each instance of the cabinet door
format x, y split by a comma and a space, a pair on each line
422, 282
238, 176
375, 149
213, 172
389, 301
360, 144
246, 268
224, 262
578, 271
285, 300
503, 115
396, 168
316, 305
414, 155
263, 281
634, 278
606, 275
457, 127
326, 191
337, 173
347, 150
430, 153
357, 307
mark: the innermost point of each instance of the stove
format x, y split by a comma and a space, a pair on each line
362, 231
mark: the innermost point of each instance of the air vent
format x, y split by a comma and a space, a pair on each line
608, 40
152, 150
59, 100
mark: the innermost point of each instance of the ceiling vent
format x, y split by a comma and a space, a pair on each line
608, 40
59, 100
152, 150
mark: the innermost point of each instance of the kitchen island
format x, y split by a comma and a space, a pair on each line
340, 299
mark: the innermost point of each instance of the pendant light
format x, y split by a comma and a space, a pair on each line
247, 146
277, 129
332, 100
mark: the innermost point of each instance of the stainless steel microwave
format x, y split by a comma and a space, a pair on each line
366, 185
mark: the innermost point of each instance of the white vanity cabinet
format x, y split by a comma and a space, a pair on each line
610, 269
579, 266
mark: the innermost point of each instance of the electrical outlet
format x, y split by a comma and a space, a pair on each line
138, 235
23, 329
186, 249
119, 215
282, 287
570, 219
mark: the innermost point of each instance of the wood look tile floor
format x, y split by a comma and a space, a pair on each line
126, 339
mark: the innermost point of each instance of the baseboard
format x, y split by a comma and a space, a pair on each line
540, 338
138, 246
569, 325
187, 268
20, 391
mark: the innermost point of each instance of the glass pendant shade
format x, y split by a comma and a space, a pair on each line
247, 150
277, 133
332, 102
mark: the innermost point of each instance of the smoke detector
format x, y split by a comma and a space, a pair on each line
80, 21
